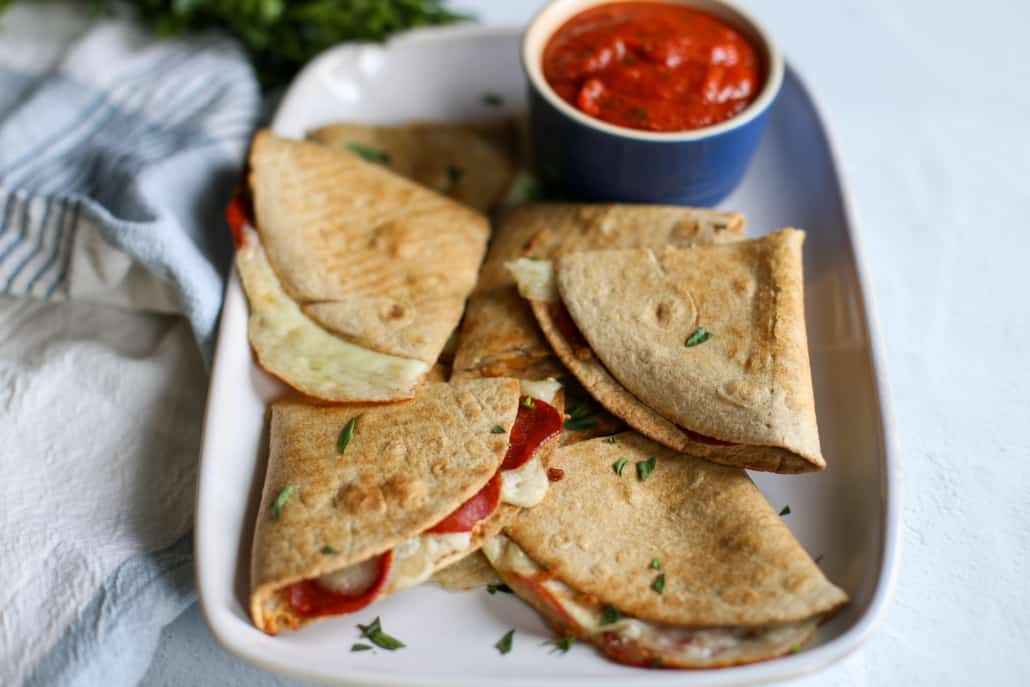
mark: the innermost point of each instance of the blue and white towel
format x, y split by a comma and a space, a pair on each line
117, 155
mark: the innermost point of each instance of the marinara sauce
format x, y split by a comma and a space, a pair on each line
653, 66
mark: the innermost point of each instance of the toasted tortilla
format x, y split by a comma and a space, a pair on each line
728, 559
293, 347
408, 466
499, 336
750, 384
473, 163
471, 572
374, 258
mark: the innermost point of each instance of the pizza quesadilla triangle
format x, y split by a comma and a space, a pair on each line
363, 501
703, 349
679, 563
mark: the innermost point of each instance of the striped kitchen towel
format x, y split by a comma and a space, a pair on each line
117, 154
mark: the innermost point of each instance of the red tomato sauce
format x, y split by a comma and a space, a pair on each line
653, 66
239, 214
310, 599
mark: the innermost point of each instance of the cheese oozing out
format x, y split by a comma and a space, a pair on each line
673, 644
354, 579
535, 279
416, 559
527, 484
294, 348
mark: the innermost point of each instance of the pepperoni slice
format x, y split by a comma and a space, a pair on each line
310, 599
472, 511
238, 214
533, 426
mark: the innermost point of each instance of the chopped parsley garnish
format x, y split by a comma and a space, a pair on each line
358, 646
794, 649
494, 588
656, 662
785, 510
455, 173
610, 615
699, 336
280, 500
639, 114
328, 550
373, 632
503, 645
659, 583
562, 644
498, 430
610, 440
646, 467
579, 411
527, 401
492, 100
619, 465
656, 564
369, 154
580, 423
346, 434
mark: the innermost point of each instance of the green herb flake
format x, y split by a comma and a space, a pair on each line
493, 100
639, 114
280, 500
795, 649
328, 550
581, 423
494, 588
455, 173
610, 440
610, 615
358, 646
562, 644
503, 645
659, 583
785, 510
498, 430
579, 411
656, 662
656, 564
346, 434
374, 633
619, 465
528, 402
646, 467
369, 154
699, 336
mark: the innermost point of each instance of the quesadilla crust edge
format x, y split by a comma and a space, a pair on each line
727, 557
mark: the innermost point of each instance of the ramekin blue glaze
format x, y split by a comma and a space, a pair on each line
587, 159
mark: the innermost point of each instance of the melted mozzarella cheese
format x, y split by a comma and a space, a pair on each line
415, 560
353, 579
526, 485
544, 390
535, 279
297, 350
676, 645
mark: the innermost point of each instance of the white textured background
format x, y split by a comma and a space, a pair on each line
930, 103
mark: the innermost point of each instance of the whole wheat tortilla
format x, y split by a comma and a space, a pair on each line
727, 557
407, 467
471, 572
372, 257
473, 163
499, 335
750, 384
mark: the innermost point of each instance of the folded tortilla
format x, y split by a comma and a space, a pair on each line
471, 572
407, 467
499, 336
735, 585
372, 257
743, 397
474, 163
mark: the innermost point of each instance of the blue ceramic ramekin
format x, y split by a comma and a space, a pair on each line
588, 159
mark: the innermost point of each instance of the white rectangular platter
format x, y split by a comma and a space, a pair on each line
847, 516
